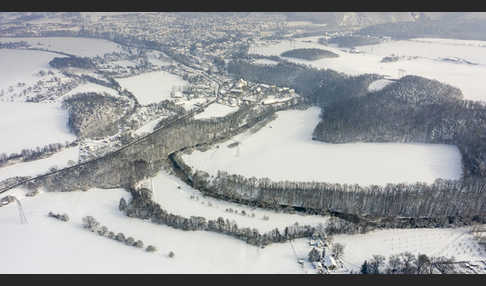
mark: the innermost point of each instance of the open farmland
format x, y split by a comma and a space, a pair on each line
283, 150
152, 87
178, 198
81, 47
41, 166
36, 124
206, 256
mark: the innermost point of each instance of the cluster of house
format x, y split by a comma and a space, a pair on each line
323, 260
241, 91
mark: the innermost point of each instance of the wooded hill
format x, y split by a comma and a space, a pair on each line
412, 109
309, 54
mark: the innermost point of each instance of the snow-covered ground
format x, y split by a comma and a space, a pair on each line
302, 23
274, 99
90, 87
152, 87
187, 202
195, 251
283, 150
82, 47
47, 245
147, 127
215, 110
41, 166
265, 62
431, 48
28, 125
193, 103
429, 63
22, 66
378, 84
158, 58
450, 242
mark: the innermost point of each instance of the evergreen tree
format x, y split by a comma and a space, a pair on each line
364, 268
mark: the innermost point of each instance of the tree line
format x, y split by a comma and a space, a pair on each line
35, 153
446, 199
142, 206
407, 263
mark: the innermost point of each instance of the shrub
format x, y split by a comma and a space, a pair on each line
151, 248
139, 244
120, 237
130, 241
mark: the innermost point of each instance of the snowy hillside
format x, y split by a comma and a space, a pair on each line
20, 69
81, 47
378, 84
186, 201
215, 110
283, 150
28, 125
195, 251
419, 58
90, 87
41, 166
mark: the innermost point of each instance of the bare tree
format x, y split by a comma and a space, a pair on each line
338, 250
375, 264
314, 255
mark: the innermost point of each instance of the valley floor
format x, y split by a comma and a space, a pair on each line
284, 150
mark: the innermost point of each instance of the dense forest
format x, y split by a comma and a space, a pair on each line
94, 115
145, 156
309, 54
76, 62
448, 201
412, 109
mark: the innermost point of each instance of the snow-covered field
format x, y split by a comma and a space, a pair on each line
430, 48
22, 66
195, 251
429, 63
28, 125
450, 242
215, 110
378, 84
82, 47
90, 87
265, 62
152, 87
148, 127
47, 245
274, 99
193, 103
283, 150
41, 166
187, 202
